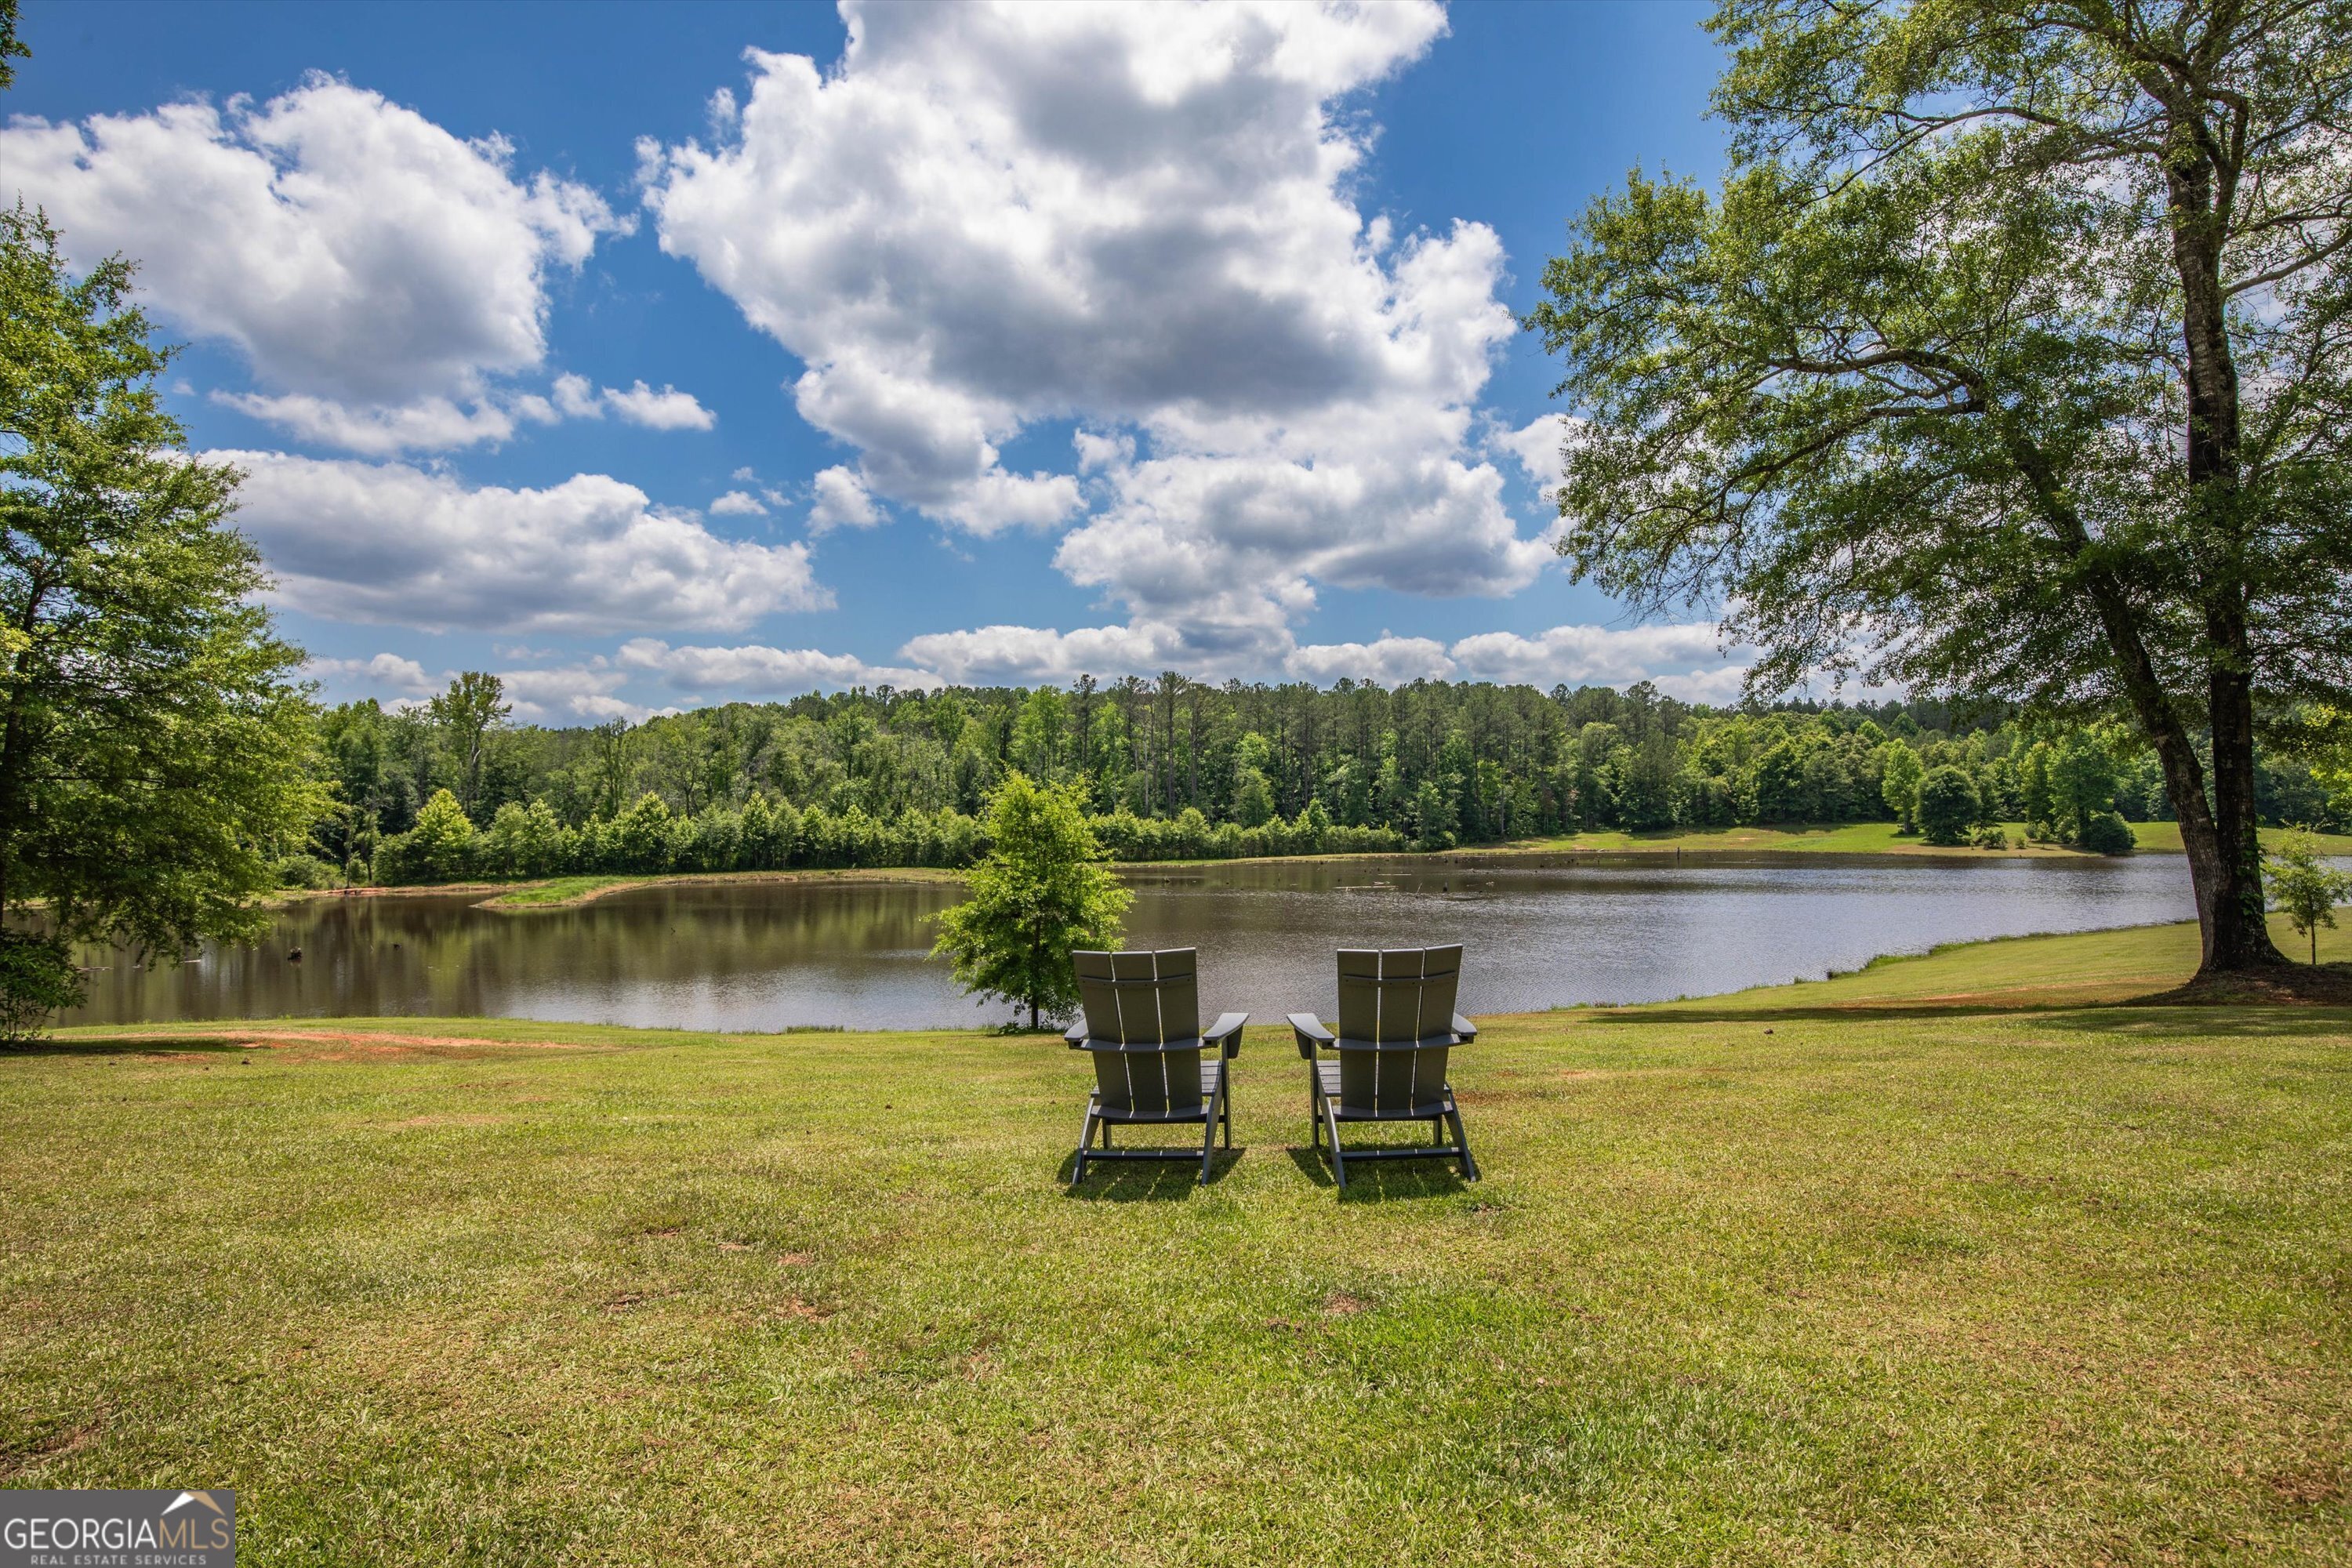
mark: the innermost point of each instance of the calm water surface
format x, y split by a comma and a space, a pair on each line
771, 955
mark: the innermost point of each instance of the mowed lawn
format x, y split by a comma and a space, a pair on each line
1745, 1282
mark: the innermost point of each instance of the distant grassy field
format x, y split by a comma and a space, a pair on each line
559, 892
1867, 838
1886, 1284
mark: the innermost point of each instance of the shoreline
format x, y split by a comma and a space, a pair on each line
1843, 841
2041, 972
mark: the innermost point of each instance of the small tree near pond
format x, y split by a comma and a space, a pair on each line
2306, 890
1041, 892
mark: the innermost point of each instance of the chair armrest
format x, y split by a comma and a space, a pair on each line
1465, 1029
1309, 1032
1075, 1036
1227, 1032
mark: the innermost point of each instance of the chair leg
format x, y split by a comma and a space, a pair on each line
1461, 1143
1225, 1099
1209, 1132
1314, 1108
1338, 1159
1085, 1141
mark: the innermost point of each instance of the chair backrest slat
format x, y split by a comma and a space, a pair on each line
1402, 1000
1144, 999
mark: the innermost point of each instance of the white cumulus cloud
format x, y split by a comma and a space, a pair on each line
987, 655
737, 503
377, 272
394, 543
1686, 659
841, 502
1683, 659
384, 673
576, 693
1390, 661
577, 397
759, 671
668, 409
1540, 449
1141, 217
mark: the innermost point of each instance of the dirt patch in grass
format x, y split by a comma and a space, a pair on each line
622, 1300
16, 1462
2310, 1486
322, 1043
369, 1043
454, 1119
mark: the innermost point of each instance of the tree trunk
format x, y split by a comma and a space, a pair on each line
2237, 931
2225, 854
2217, 829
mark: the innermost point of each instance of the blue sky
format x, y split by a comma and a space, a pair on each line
578, 344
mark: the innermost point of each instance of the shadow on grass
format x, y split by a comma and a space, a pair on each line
2209, 1022
126, 1046
1171, 1180
2140, 1015
1859, 1012
1378, 1181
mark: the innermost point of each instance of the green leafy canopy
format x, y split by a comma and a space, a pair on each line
155, 748
2011, 358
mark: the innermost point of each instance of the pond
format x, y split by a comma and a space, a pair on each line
1540, 933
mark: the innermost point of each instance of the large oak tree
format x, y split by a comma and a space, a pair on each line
2012, 356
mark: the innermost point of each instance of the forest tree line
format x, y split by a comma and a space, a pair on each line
1180, 769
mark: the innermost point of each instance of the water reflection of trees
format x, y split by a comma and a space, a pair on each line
420, 956
761, 954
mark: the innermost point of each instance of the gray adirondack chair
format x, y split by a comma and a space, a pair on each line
1142, 1025
1397, 1024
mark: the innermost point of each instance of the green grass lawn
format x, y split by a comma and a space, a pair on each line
1768, 1283
2084, 969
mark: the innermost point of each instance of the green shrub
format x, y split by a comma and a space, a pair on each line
1949, 807
305, 871
441, 847
1991, 836
37, 977
2105, 833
